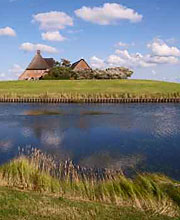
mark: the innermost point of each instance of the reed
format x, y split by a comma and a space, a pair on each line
81, 96
36, 171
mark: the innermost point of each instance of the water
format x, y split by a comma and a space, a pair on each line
142, 137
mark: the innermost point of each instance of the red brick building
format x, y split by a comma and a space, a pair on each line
80, 65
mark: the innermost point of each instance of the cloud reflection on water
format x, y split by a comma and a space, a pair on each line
144, 136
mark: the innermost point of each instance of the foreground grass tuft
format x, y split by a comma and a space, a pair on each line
22, 174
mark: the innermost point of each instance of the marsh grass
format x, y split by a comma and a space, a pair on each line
39, 172
22, 174
79, 97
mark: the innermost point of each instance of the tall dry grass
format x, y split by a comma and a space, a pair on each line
104, 95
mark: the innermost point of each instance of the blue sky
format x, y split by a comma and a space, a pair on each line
142, 35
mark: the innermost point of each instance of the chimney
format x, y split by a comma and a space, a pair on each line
38, 52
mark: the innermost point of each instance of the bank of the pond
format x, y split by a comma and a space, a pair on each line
18, 204
89, 91
146, 196
89, 100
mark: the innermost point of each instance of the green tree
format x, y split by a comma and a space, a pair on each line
59, 73
65, 63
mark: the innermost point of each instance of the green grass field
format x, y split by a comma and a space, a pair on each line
89, 88
21, 205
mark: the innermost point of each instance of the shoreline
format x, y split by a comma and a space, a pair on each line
90, 100
36, 172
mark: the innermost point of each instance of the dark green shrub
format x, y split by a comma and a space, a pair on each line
59, 73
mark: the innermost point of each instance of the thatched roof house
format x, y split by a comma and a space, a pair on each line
80, 65
38, 67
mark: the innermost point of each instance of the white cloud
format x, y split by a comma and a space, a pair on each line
54, 20
160, 48
161, 59
33, 47
7, 31
114, 60
154, 72
16, 70
2, 75
52, 36
124, 58
129, 60
121, 44
109, 13
97, 62
12, 74
123, 53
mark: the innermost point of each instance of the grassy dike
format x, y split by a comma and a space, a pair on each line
30, 190
89, 89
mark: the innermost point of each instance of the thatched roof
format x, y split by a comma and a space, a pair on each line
50, 62
39, 63
38, 67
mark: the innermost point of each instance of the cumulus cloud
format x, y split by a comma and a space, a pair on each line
97, 62
160, 48
109, 13
130, 60
11, 74
16, 70
114, 60
52, 36
7, 31
161, 59
124, 58
53, 21
29, 47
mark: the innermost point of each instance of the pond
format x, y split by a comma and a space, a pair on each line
141, 137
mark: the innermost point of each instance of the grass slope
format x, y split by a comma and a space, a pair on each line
102, 88
39, 195
22, 205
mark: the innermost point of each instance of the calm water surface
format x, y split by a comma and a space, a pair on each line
144, 137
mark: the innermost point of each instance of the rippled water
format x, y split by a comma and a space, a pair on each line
144, 137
